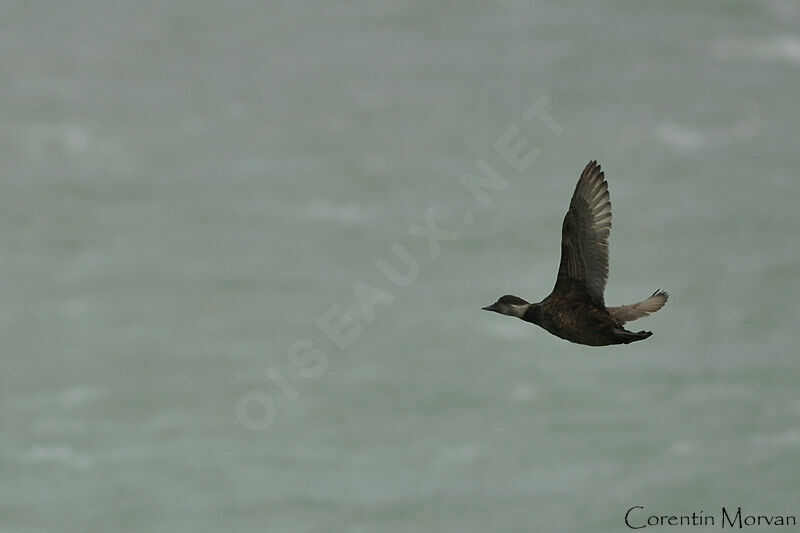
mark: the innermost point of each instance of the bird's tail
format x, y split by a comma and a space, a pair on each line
628, 313
627, 337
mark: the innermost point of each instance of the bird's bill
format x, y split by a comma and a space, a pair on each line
489, 308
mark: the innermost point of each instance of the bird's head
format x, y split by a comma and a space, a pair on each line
509, 305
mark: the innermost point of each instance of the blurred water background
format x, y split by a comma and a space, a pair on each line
186, 187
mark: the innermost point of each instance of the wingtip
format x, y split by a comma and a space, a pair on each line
592, 165
592, 181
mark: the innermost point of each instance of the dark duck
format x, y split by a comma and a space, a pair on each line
575, 310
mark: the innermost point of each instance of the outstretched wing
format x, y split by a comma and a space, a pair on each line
628, 313
584, 236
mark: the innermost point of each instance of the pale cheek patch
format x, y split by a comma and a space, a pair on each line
517, 310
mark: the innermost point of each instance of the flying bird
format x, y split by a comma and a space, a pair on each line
575, 310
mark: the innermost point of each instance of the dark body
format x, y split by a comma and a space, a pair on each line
575, 310
573, 316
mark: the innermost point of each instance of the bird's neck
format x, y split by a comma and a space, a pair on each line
533, 313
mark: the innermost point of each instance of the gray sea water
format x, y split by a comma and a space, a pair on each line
195, 198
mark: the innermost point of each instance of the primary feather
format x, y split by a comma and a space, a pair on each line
584, 235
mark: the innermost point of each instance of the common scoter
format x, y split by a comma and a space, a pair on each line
575, 310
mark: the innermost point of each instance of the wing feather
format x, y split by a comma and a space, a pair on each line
584, 236
628, 313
